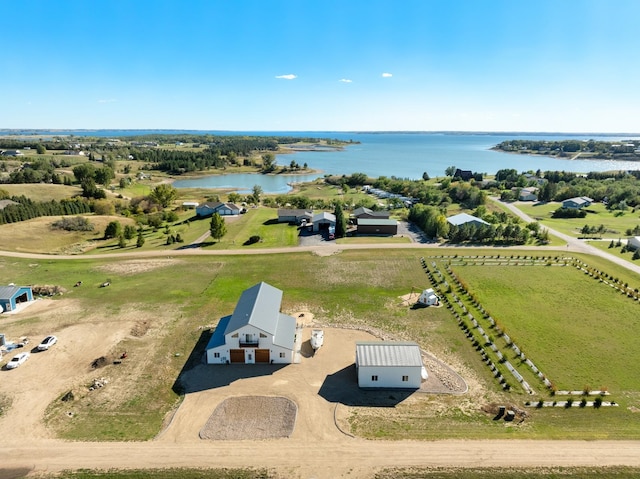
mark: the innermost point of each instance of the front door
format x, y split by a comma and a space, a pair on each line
249, 356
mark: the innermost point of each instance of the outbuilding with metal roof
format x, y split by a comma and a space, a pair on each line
389, 364
11, 296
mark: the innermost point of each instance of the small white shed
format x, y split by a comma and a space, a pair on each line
389, 364
428, 298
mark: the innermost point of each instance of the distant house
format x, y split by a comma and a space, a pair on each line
223, 209
465, 218
633, 243
294, 216
465, 175
190, 204
389, 365
11, 153
323, 221
528, 194
256, 332
11, 296
377, 226
577, 202
366, 213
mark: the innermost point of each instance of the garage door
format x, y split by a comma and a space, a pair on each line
262, 355
237, 355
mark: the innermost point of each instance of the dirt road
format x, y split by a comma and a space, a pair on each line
353, 458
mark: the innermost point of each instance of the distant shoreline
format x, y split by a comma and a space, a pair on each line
22, 132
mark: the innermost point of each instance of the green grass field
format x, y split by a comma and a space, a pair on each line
597, 215
573, 327
577, 330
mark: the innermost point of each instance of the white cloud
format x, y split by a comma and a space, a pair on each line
387, 75
110, 100
345, 80
290, 76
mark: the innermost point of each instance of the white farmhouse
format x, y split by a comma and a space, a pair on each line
256, 332
389, 364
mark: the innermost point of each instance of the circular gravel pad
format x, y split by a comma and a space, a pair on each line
251, 417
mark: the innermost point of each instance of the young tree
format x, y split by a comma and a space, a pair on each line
129, 232
40, 149
164, 194
268, 162
218, 228
112, 230
140, 240
255, 195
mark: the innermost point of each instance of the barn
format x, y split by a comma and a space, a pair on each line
11, 296
389, 365
256, 332
371, 226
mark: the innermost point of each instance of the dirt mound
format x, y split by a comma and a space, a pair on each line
47, 290
100, 362
140, 329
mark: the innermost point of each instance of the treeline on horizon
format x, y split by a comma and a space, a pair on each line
237, 143
546, 147
217, 151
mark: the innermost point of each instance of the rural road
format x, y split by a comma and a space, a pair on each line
337, 457
353, 458
574, 244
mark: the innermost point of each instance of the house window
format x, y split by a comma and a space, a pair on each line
216, 355
234, 335
405, 378
282, 355
262, 335
250, 357
374, 377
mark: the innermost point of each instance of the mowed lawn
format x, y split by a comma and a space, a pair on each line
597, 214
578, 331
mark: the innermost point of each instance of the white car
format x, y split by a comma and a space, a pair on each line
17, 360
47, 343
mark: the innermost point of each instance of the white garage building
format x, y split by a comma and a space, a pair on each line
389, 364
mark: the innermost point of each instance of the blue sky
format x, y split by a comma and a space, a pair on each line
269, 65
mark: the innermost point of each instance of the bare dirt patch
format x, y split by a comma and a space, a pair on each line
137, 266
251, 417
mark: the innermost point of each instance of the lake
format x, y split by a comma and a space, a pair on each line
408, 155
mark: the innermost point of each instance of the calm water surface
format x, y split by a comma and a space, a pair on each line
403, 155
408, 155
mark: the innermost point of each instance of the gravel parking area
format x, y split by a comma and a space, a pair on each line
251, 417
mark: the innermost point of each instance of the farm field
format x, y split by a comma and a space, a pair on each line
162, 321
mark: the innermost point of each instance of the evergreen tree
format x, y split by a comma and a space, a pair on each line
218, 228
140, 240
341, 221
